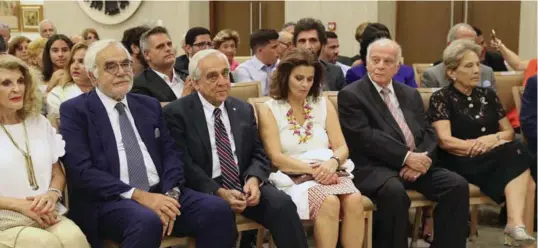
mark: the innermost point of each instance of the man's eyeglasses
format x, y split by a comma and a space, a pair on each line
114, 67
207, 44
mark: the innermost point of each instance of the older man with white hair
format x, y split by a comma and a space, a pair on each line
125, 171
394, 147
5, 32
224, 155
434, 77
47, 29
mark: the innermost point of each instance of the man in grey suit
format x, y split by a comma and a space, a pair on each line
434, 77
310, 34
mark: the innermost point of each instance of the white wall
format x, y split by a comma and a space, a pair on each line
527, 30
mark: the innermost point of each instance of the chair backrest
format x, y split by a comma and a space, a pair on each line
333, 97
241, 59
517, 92
418, 69
256, 103
426, 93
246, 90
504, 83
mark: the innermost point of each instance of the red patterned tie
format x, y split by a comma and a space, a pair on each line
230, 171
409, 139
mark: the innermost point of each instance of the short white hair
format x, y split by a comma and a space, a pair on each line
194, 70
4, 26
46, 21
456, 28
96, 47
385, 42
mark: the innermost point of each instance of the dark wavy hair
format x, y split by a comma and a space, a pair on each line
372, 32
48, 67
291, 59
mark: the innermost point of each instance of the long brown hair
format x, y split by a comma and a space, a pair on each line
67, 79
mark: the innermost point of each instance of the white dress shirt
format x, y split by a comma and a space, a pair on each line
343, 67
210, 120
176, 84
114, 116
254, 70
394, 100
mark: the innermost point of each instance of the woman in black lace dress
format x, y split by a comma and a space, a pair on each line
476, 140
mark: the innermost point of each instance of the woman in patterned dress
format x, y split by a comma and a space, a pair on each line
302, 136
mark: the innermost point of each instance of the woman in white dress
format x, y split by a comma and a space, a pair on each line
74, 83
31, 179
302, 137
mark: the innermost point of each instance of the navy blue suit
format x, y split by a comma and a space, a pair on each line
93, 172
528, 116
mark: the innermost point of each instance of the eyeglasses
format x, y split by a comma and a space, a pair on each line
114, 67
207, 44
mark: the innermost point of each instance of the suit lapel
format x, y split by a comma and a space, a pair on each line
235, 124
160, 84
198, 118
104, 129
382, 108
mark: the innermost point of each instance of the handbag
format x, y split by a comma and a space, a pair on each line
10, 219
301, 178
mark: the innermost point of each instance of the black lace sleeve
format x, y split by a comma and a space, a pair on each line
438, 109
492, 97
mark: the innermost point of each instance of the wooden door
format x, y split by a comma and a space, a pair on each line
245, 17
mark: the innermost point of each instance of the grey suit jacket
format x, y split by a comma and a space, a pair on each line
333, 77
434, 77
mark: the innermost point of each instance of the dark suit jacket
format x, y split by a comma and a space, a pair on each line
150, 84
182, 66
333, 78
528, 113
376, 142
188, 126
91, 158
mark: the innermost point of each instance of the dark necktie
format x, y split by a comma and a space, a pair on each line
230, 172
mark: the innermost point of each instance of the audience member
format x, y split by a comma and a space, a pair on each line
131, 41
373, 32
492, 59
289, 27
528, 118
227, 41
476, 141
18, 47
127, 182
5, 32
393, 147
310, 34
358, 37
284, 43
74, 83
47, 29
55, 58
435, 77
3, 46
264, 43
35, 53
77, 39
223, 153
331, 50
160, 81
31, 185
296, 127
90, 34
196, 39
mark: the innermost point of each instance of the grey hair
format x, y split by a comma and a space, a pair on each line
4, 26
385, 42
43, 22
287, 24
454, 30
96, 47
194, 70
454, 52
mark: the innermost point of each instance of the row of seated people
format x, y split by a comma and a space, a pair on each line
121, 159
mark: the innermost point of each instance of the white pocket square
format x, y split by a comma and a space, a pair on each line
157, 133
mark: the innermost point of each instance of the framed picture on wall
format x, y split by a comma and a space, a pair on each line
10, 14
31, 16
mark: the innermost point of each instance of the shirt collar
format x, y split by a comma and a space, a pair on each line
165, 77
110, 104
208, 107
379, 88
259, 65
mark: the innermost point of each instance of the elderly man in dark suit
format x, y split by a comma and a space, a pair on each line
224, 155
125, 172
310, 34
393, 148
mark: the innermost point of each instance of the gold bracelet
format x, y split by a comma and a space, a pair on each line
57, 192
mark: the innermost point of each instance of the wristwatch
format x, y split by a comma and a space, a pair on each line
173, 193
57, 192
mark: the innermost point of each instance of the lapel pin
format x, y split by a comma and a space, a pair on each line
234, 109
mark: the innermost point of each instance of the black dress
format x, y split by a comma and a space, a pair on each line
471, 117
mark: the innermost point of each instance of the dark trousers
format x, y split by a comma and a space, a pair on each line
207, 218
449, 189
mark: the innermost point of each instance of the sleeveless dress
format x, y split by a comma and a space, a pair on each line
307, 196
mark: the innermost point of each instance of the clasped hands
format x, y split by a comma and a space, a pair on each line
415, 165
41, 208
483, 145
237, 200
325, 172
